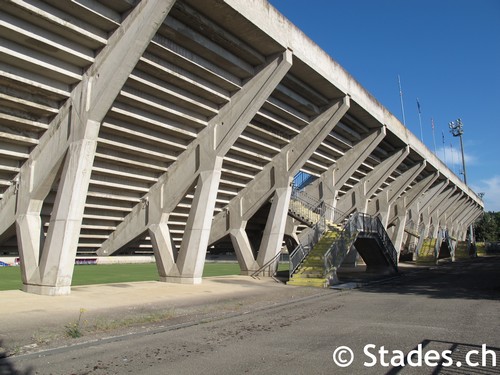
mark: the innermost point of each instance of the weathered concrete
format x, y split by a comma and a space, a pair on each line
132, 126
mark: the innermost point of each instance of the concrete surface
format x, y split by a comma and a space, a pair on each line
32, 322
269, 328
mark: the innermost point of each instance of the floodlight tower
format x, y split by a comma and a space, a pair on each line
456, 129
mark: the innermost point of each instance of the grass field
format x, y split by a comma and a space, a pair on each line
10, 277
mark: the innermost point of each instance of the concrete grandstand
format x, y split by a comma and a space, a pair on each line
167, 127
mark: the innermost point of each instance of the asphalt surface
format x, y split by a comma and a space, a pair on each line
392, 327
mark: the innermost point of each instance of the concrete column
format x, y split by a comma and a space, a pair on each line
70, 142
464, 211
199, 165
291, 228
457, 209
381, 205
448, 205
58, 257
244, 251
441, 202
424, 203
326, 188
357, 198
469, 216
431, 217
399, 231
275, 226
191, 258
274, 181
410, 200
407, 205
338, 174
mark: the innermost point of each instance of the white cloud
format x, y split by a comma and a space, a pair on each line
491, 190
452, 157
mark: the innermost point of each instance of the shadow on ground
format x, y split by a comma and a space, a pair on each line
6, 366
479, 279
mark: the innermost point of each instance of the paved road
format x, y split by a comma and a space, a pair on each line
454, 308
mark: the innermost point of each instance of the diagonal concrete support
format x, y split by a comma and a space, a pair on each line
273, 182
457, 209
67, 150
200, 167
404, 204
357, 197
432, 214
469, 215
382, 204
411, 199
327, 186
469, 211
445, 207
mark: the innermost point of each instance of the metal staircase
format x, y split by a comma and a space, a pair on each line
318, 218
327, 240
319, 255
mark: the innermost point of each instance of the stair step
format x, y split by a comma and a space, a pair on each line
313, 275
309, 274
318, 283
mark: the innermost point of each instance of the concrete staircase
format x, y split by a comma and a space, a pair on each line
427, 253
311, 271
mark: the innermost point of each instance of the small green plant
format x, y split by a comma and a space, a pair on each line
74, 330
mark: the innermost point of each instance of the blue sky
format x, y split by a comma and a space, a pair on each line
447, 54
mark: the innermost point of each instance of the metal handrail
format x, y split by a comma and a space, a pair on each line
305, 246
358, 223
269, 264
316, 211
411, 228
312, 206
340, 247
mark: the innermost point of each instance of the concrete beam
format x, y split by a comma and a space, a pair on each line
284, 32
446, 206
410, 198
357, 197
273, 182
430, 195
451, 213
431, 215
327, 186
199, 165
70, 142
469, 215
382, 203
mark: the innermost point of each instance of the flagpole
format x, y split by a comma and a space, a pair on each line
420, 121
452, 159
433, 135
401, 98
444, 149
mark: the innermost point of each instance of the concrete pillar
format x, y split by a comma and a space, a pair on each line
457, 209
425, 202
469, 216
405, 205
273, 182
70, 142
326, 188
191, 258
447, 206
275, 226
437, 206
199, 165
357, 197
338, 174
382, 203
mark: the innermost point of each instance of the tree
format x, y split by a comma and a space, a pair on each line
487, 228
